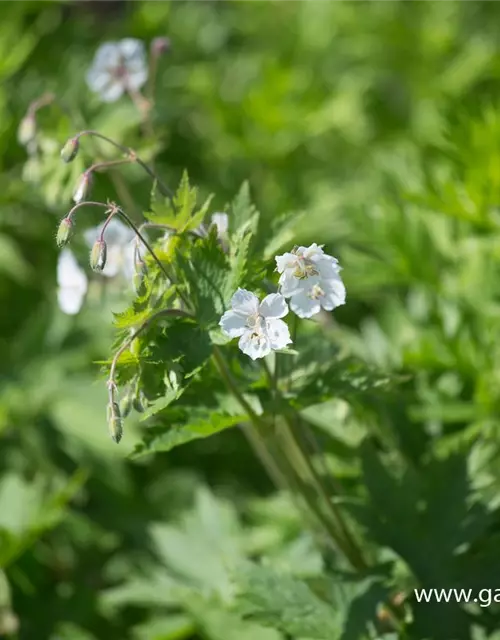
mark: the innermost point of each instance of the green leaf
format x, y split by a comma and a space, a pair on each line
180, 215
241, 209
201, 424
285, 603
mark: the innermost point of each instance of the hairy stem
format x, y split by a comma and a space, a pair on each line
133, 158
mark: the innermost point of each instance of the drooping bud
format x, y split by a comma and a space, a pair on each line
159, 46
83, 187
70, 149
115, 422
140, 401
126, 404
64, 232
27, 129
98, 255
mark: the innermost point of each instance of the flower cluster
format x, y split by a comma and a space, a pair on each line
309, 277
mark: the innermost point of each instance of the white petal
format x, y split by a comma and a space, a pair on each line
136, 79
335, 294
255, 345
72, 283
273, 306
221, 221
313, 251
70, 299
279, 335
245, 302
286, 261
107, 56
113, 90
98, 79
304, 306
233, 324
328, 269
69, 273
131, 49
289, 284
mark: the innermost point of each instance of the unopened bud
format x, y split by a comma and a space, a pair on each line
27, 129
140, 402
98, 255
64, 232
83, 187
115, 422
126, 404
70, 149
159, 46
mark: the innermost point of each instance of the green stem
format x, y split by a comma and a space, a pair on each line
133, 157
302, 457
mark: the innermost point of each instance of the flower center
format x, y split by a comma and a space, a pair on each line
316, 292
304, 268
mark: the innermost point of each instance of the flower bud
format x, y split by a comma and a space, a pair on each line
98, 255
115, 422
126, 404
27, 129
64, 232
159, 46
140, 402
83, 187
70, 149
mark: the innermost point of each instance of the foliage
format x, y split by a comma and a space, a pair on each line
363, 463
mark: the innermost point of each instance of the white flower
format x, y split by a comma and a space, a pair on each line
311, 278
117, 68
257, 325
120, 241
72, 283
221, 222
302, 263
317, 293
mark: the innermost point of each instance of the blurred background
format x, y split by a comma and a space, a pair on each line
375, 127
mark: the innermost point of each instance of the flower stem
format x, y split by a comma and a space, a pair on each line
299, 453
133, 158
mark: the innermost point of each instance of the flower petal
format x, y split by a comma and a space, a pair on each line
72, 283
136, 78
112, 91
286, 261
132, 49
221, 221
233, 324
69, 272
304, 306
245, 302
335, 294
289, 284
273, 306
279, 335
70, 299
255, 345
